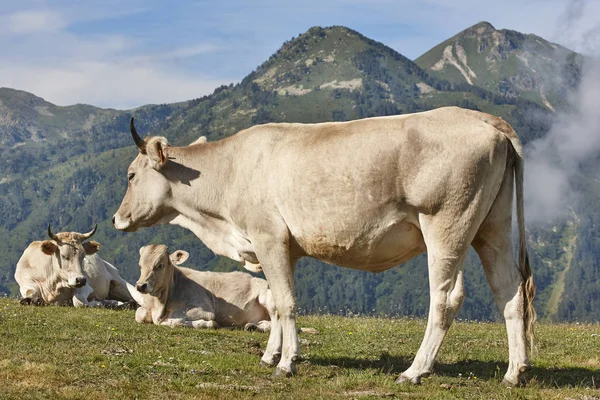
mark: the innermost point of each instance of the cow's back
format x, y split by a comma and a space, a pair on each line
346, 190
98, 276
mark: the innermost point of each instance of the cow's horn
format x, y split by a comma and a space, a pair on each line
136, 138
52, 235
90, 233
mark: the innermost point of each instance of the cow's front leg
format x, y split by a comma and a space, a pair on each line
279, 271
273, 351
204, 324
173, 322
143, 315
81, 295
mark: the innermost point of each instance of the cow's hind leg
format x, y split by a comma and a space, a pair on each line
446, 251
493, 243
446, 290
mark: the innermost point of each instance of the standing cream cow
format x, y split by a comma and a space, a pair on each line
65, 270
177, 296
367, 194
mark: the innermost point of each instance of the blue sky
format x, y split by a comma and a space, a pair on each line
126, 53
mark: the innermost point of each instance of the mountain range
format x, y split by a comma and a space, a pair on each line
67, 165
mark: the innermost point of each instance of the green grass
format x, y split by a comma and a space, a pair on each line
66, 353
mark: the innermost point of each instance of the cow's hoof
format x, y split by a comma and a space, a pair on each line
273, 361
250, 327
26, 301
524, 368
508, 383
280, 373
521, 382
403, 380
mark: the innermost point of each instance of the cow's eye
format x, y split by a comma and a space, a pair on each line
130, 176
159, 266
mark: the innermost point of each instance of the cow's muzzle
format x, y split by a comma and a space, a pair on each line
122, 224
142, 287
78, 282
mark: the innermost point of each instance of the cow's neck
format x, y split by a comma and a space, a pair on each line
162, 299
200, 176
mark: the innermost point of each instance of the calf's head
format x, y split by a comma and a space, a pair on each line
148, 195
69, 250
156, 268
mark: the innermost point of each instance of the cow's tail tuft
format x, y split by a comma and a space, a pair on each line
529, 314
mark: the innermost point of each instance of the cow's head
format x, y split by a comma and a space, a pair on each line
69, 250
148, 195
156, 268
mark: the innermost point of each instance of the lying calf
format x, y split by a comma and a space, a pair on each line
200, 299
177, 296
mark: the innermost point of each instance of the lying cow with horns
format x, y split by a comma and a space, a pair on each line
367, 194
177, 296
67, 271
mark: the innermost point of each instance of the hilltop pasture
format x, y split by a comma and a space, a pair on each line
67, 353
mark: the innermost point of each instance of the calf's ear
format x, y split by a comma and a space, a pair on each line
91, 247
156, 148
178, 257
49, 247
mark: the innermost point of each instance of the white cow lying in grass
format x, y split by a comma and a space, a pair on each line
67, 271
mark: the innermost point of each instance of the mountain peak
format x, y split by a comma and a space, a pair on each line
481, 27
505, 61
15, 95
325, 58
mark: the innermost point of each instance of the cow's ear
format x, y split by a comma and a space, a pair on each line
141, 250
91, 247
201, 139
49, 247
156, 148
178, 257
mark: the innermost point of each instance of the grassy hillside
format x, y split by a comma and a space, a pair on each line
324, 74
26, 119
507, 62
67, 353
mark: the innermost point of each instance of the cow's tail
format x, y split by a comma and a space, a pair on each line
529, 314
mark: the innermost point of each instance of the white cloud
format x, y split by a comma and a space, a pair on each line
107, 70
182, 52
554, 161
120, 85
30, 22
